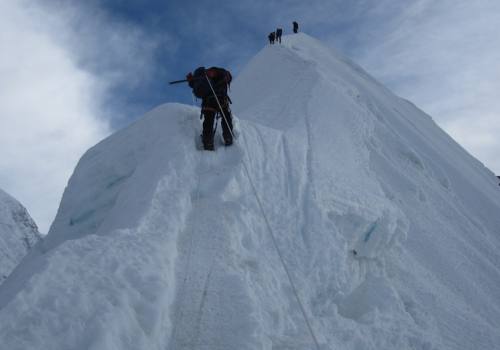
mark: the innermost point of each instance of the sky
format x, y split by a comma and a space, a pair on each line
75, 71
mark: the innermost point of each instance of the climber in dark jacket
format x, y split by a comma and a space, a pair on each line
279, 32
271, 37
295, 27
220, 79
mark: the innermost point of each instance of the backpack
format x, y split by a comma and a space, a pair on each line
199, 84
219, 78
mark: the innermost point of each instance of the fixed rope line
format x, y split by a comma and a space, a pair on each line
269, 228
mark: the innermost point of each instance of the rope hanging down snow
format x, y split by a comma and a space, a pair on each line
270, 230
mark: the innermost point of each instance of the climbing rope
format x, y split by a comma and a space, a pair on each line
269, 228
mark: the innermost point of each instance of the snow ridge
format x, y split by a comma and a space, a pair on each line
387, 226
18, 234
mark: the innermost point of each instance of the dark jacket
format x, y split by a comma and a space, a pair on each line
220, 79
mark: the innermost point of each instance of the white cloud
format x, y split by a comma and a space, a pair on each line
445, 57
58, 65
118, 53
49, 112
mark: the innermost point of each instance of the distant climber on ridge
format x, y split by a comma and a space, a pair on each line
295, 27
202, 81
271, 37
279, 32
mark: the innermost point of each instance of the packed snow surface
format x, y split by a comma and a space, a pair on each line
389, 229
18, 234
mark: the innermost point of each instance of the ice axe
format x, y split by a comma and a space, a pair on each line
177, 81
184, 80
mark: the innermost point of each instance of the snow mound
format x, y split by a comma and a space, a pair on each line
18, 234
389, 228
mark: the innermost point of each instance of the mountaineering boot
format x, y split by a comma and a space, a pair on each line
208, 141
228, 141
208, 147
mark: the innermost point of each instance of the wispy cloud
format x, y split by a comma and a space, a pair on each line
58, 67
445, 57
121, 53
48, 113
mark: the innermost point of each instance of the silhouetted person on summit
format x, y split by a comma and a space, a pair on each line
295, 27
279, 32
271, 38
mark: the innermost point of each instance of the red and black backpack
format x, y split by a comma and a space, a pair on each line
219, 78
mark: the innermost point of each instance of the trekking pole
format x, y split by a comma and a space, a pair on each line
183, 80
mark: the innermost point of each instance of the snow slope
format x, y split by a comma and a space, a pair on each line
388, 228
18, 234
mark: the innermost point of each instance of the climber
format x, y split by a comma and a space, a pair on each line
271, 37
202, 81
279, 32
295, 27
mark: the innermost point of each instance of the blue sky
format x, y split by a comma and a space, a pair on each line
181, 35
78, 70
